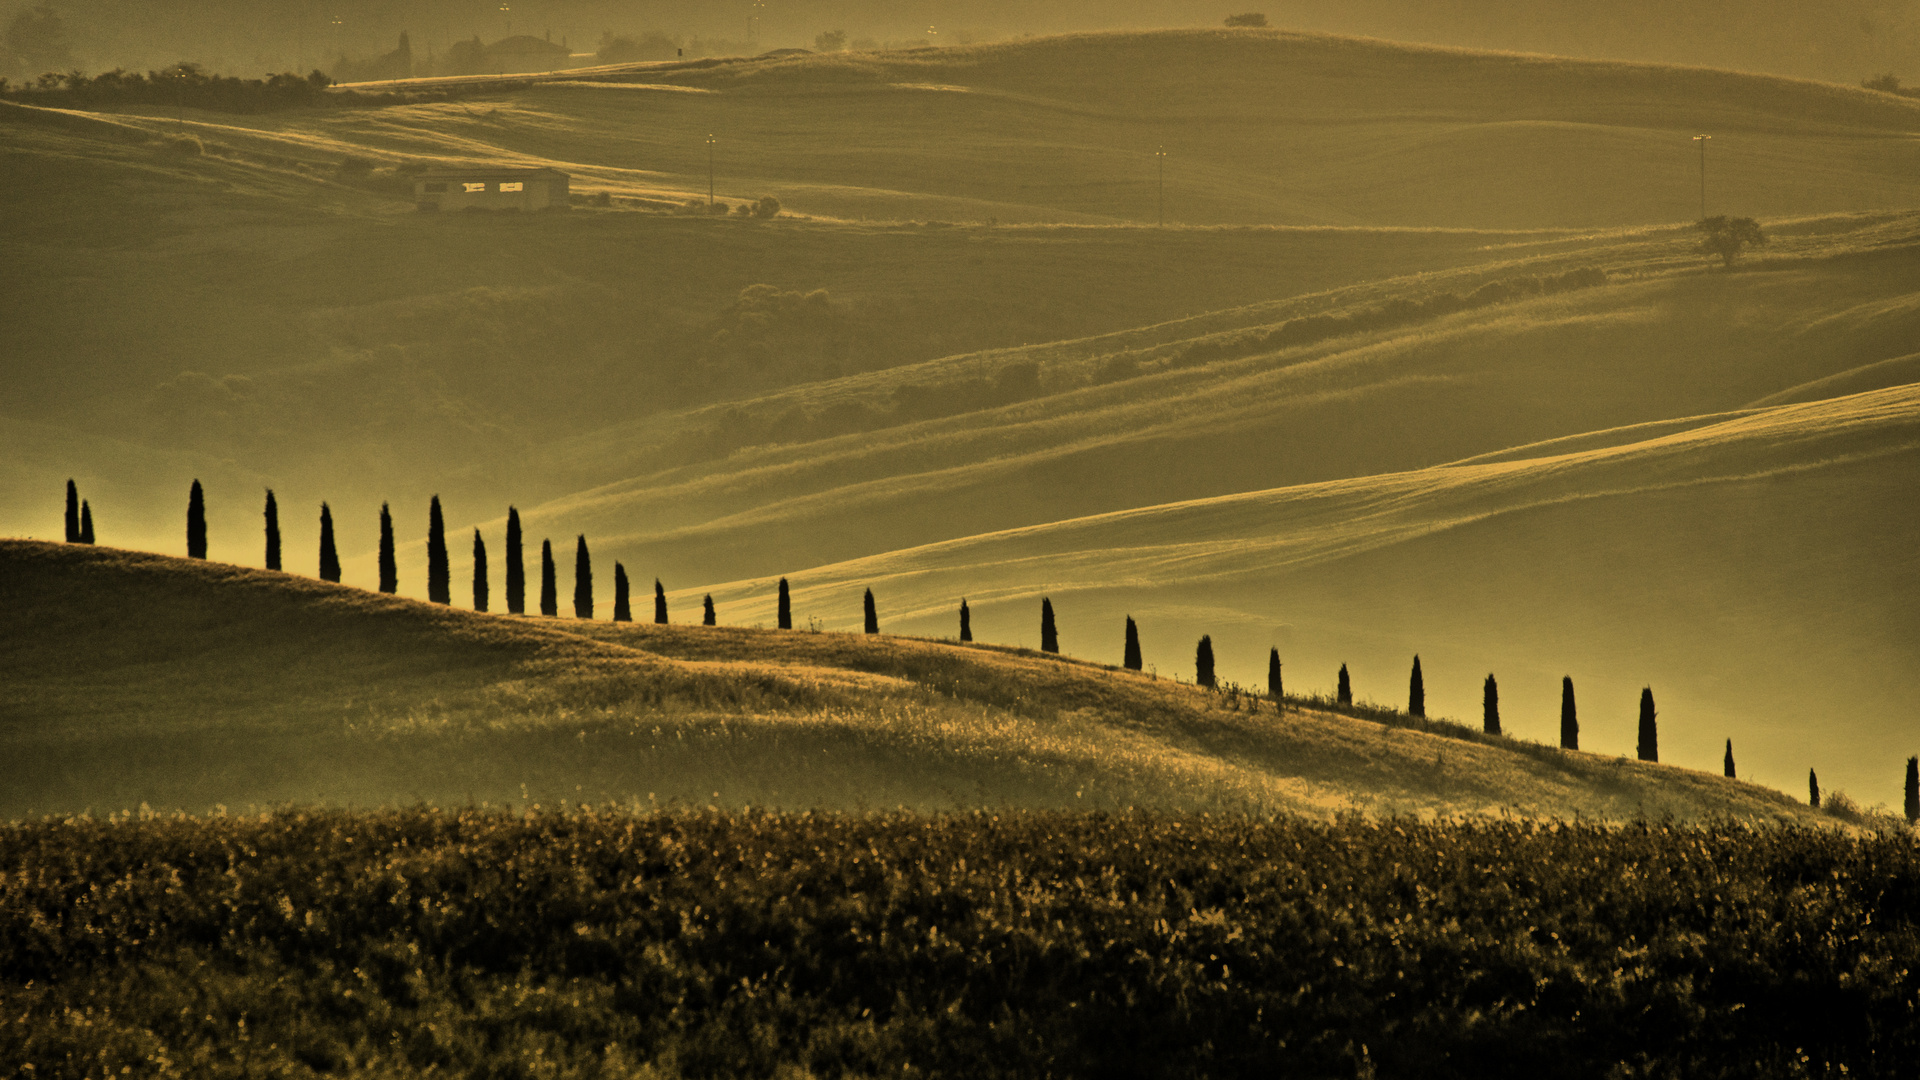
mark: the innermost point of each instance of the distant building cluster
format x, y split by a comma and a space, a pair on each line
491, 188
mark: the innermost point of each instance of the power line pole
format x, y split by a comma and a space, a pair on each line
1160, 155
1702, 140
710, 141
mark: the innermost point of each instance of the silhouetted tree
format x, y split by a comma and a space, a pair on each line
86, 522
273, 532
516, 566
439, 565
479, 572
549, 582
1649, 747
1726, 763
1416, 691
196, 523
966, 621
1490, 706
622, 610
1131, 658
1203, 661
582, 580
329, 557
389, 566
785, 613
1913, 790
1049, 636
659, 603
1726, 236
1813, 789
73, 512
1343, 691
708, 617
1274, 690
873, 615
1569, 719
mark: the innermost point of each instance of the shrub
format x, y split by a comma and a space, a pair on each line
768, 207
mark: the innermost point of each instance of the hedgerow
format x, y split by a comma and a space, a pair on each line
711, 944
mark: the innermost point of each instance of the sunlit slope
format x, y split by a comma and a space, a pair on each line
135, 678
1757, 570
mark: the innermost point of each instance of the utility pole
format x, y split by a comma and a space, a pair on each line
1160, 156
710, 141
508, 14
1702, 140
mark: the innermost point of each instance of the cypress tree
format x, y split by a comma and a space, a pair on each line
1913, 790
786, 607
1131, 659
549, 583
1274, 690
707, 614
1049, 636
479, 572
873, 615
1416, 691
329, 557
1649, 731
622, 609
439, 567
516, 566
1203, 661
273, 532
86, 522
196, 523
966, 621
582, 580
1569, 719
73, 512
659, 603
1343, 691
389, 566
1726, 763
1813, 789
1490, 706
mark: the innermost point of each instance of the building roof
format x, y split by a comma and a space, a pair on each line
488, 172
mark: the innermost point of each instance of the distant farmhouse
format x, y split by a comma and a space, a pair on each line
484, 188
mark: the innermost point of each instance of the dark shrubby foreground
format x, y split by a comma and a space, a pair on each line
713, 945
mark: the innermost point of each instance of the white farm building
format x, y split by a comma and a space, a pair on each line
490, 189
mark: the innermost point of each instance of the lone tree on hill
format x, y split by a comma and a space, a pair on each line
1203, 662
1490, 706
86, 522
549, 582
1275, 690
439, 569
273, 532
873, 615
1131, 659
1913, 790
196, 522
73, 512
1252, 19
1726, 763
1416, 691
516, 566
329, 556
622, 609
1813, 789
389, 566
582, 580
1343, 690
1726, 236
966, 621
1049, 636
659, 603
784, 613
708, 617
1649, 731
1569, 719
479, 572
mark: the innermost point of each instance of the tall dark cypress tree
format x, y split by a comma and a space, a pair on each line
329, 555
622, 608
272, 514
439, 565
86, 522
389, 565
1490, 706
708, 617
73, 512
516, 566
873, 614
1274, 688
1203, 662
1813, 789
479, 572
1130, 657
582, 580
196, 522
1727, 763
659, 602
785, 612
966, 621
1049, 636
1649, 747
549, 582
1343, 690
1569, 719
1416, 691
1913, 790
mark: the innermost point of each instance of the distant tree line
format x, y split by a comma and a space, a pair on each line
188, 86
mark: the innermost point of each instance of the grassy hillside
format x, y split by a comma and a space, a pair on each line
143, 679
